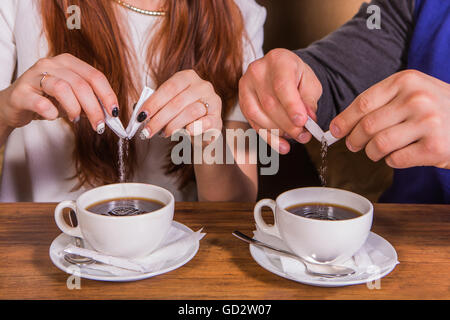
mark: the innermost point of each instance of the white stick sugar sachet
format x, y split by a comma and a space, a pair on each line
317, 132
114, 123
177, 243
134, 125
330, 138
314, 129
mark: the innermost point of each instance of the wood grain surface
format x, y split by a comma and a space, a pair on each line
223, 267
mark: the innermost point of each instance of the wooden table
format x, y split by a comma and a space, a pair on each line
223, 267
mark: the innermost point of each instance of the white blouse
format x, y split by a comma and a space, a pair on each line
38, 157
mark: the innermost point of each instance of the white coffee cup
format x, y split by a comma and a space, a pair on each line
320, 241
120, 236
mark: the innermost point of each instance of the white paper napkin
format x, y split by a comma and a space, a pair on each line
116, 125
175, 245
318, 133
368, 262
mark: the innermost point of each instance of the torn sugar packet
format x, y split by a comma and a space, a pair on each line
116, 125
134, 125
330, 138
318, 133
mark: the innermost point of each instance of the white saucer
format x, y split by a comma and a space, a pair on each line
63, 240
272, 263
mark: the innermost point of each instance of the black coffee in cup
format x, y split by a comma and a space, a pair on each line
125, 206
323, 211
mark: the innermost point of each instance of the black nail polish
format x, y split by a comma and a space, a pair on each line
142, 116
115, 112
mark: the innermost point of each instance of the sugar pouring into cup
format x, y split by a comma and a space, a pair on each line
318, 133
134, 125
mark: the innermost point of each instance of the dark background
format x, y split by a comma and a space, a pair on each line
295, 24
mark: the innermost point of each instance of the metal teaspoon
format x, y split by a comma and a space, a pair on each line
320, 270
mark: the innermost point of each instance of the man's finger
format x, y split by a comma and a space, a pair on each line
373, 98
411, 156
274, 110
390, 115
392, 139
276, 142
285, 82
252, 110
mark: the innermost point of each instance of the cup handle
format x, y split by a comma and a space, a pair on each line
269, 229
62, 224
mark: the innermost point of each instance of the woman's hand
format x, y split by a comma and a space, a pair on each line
62, 86
404, 119
180, 101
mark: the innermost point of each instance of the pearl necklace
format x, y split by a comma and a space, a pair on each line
142, 11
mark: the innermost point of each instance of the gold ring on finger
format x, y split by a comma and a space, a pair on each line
44, 75
206, 104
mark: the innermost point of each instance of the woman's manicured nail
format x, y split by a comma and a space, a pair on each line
142, 116
335, 130
115, 111
101, 128
145, 134
76, 119
298, 120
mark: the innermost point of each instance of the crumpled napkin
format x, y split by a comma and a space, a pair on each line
116, 125
368, 262
318, 133
175, 245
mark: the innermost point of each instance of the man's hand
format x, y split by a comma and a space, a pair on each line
278, 91
404, 119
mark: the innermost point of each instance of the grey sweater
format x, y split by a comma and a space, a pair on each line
354, 58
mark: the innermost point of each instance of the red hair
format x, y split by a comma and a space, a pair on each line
205, 36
